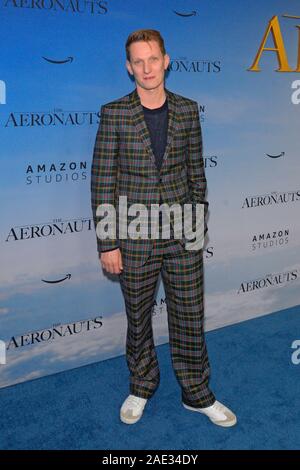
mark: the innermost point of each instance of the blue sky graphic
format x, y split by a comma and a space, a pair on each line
246, 116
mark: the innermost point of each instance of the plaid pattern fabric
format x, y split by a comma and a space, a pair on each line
124, 165
182, 275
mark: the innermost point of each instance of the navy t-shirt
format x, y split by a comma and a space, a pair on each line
157, 123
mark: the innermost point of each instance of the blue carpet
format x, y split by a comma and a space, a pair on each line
252, 373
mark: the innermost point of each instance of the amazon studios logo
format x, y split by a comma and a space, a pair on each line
184, 64
270, 239
159, 307
56, 172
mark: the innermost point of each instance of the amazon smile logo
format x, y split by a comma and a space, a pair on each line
59, 62
185, 15
276, 156
68, 276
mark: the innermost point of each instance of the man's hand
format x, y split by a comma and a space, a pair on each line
112, 261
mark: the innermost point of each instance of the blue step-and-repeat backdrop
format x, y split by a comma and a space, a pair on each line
60, 61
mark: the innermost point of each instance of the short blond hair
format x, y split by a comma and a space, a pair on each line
145, 35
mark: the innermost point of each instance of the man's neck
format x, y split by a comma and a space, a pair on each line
152, 98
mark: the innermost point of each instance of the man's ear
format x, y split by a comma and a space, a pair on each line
129, 68
167, 61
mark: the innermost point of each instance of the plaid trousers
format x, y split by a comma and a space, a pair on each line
182, 276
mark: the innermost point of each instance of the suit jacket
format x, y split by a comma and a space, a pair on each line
124, 165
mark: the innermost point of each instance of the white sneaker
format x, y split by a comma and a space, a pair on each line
132, 409
217, 413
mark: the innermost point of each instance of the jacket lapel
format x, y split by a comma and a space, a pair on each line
137, 114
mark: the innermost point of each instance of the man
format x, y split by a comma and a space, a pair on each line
149, 148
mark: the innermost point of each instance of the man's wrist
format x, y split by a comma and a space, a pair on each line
110, 249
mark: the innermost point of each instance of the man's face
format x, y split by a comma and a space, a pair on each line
147, 64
